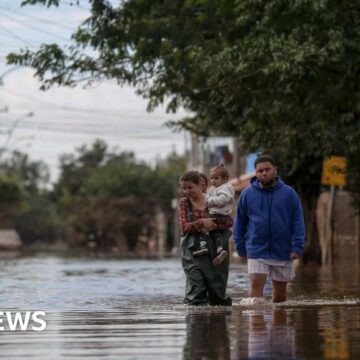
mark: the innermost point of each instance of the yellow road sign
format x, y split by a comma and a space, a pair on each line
334, 171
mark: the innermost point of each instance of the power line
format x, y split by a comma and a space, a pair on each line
68, 108
37, 18
120, 135
42, 31
11, 130
15, 36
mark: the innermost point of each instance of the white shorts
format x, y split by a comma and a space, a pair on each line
284, 271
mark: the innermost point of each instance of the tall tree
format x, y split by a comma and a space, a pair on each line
12, 196
24, 202
284, 74
108, 196
34, 175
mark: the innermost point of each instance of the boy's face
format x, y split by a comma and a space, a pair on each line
216, 179
191, 189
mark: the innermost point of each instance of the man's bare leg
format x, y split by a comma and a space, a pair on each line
257, 283
279, 291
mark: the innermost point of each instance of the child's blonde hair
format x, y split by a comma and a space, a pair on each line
221, 170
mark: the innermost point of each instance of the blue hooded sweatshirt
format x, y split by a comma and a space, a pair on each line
269, 222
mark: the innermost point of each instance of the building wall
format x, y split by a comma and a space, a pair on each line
345, 228
343, 240
206, 153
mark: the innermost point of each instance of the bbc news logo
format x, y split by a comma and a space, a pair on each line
22, 321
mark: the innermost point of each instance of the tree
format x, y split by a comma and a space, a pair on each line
12, 196
24, 202
106, 196
282, 74
74, 169
37, 220
34, 175
353, 178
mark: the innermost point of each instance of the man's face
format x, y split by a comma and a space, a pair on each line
266, 173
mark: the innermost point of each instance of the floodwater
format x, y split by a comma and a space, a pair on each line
103, 308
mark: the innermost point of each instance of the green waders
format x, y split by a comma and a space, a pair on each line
205, 283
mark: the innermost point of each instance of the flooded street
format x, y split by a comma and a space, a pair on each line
132, 309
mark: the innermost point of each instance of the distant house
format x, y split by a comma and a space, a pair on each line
9, 239
205, 153
241, 182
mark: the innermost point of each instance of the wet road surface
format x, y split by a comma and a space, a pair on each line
131, 309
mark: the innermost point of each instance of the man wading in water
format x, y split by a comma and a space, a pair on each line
269, 230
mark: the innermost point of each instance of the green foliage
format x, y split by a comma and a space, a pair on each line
103, 196
37, 221
75, 169
106, 196
12, 196
283, 74
353, 178
11, 189
109, 221
22, 197
115, 180
33, 175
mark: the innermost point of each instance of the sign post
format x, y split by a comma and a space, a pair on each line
334, 171
333, 174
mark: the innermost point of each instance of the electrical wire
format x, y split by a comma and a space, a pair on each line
42, 31
14, 36
41, 20
67, 108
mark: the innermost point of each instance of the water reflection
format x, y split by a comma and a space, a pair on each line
336, 281
131, 309
271, 335
336, 344
297, 333
207, 336
265, 334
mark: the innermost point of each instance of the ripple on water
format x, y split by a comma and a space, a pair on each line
133, 310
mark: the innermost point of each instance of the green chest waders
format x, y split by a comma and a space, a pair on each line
205, 283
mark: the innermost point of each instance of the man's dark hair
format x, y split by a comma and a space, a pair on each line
264, 158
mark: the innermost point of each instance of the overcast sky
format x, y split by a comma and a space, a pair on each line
54, 122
